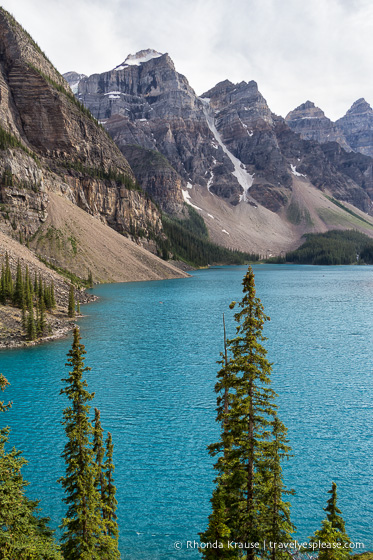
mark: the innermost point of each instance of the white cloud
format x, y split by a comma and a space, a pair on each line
318, 50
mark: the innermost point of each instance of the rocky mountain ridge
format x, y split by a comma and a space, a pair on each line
230, 154
353, 131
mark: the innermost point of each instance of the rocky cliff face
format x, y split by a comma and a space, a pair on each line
226, 153
50, 143
357, 126
228, 141
347, 176
311, 123
245, 125
145, 102
353, 132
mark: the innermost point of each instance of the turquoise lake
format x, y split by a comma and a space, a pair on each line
153, 347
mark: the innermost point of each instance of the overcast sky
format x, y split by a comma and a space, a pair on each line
296, 50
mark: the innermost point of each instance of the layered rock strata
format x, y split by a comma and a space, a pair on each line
51, 143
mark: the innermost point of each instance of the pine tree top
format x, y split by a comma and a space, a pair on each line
76, 386
333, 511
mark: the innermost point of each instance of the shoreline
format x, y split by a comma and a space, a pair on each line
59, 323
17, 343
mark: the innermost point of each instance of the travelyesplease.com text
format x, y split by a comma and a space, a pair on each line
292, 545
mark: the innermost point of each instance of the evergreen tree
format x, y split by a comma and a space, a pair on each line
276, 513
333, 511
39, 291
27, 288
253, 441
332, 533
24, 319
217, 537
41, 320
99, 453
330, 543
71, 306
23, 534
84, 534
18, 289
31, 326
47, 297
110, 501
8, 279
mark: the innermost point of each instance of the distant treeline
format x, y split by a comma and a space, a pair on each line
332, 248
187, 240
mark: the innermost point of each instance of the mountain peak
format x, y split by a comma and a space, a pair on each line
307, 105
306, 110
139, 58
252, 85
360, 106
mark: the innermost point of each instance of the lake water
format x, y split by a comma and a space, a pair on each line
153, 349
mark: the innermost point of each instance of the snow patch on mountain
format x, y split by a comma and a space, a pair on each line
74, 87
186, 197
209, 182
295, 172
243, 177
138, 58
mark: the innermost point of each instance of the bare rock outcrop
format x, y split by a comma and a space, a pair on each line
51, 143
311, 123
357, 126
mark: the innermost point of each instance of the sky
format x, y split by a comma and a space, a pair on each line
296, 50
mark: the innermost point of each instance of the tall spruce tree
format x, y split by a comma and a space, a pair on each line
84, 532
277, 525
31, 325
252, 441
110, 501
329, 543
18, 289
99, 453
333, 511
42, 323
105, 485
217, 537
332, 533
24, 535
28, 288
8, 279
71, 304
